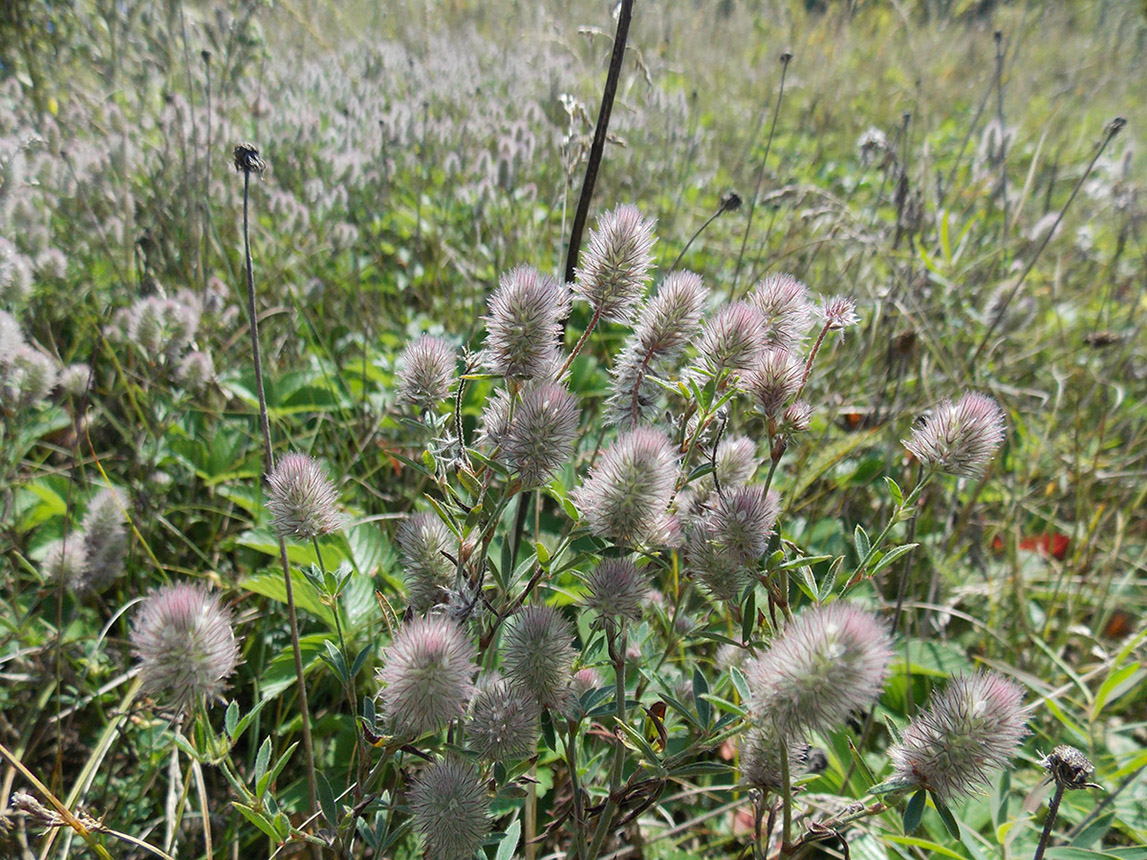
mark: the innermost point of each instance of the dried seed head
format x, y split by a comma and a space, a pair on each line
504, 722
617, 589
423, 540
616, 263
773, 379
784, 304
537, 655
541, 435
733, 338
451, 809
301, 498
426, 675
524, 326
828, 662
185, 644
427, 372
247, 160
1069, 767
959, 438
971, 728
626, 496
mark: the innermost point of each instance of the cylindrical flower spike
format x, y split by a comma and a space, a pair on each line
524, 324
503, 722
301, 498
451, 809
615, 264
427, 675
541, 434
959, 438
423, 539
427, 371
537, 655
185, 644
617, 589
828, 662
971, 728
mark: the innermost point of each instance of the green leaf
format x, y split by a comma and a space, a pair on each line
895, 491
1117, 683
231, 719
749, 616
257, 818
327, 800
1064, 852
914, 811
950, 823
891, 556
335, 659
740, 682
262, 760
862, 542
271, 584
509, 841
700, 690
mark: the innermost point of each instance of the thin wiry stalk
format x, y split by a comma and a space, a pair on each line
597, 148
247, 160
1113, 128
1052, 814
786, 57
1002, 153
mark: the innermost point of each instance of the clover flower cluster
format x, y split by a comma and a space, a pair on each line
959, 438
27, 373
91, 558
828, 662
301, 498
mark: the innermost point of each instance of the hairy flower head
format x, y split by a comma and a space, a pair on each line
828, 662
451, 809
838, 313
422, 541
784, 304
66, 561
773, 379
427, 675
617, 589
503, 722
185, 644
615, 263
301, 498
733, 338
427, 370
762, 756
524, 326
28, 376
537, 654
541, 434
970, 729
626, 495
959, 438
105, 538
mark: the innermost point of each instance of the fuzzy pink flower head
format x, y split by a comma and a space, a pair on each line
423, 540
503, 722
541, 434
427, 675
970, 729
451, 809
742, 522
959, 438
301, 498
615, 264
838, 313
763, 753
626, 496
773, 379
537, 654
427, 371
524, 325
617, 589
183, 639
784, 303
828, 662
733, 338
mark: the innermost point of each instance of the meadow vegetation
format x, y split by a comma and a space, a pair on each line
804, 520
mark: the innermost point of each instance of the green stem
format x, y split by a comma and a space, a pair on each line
605, 822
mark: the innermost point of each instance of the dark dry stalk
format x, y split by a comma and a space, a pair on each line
1113, 128
1002, 152
729, 203
786, 57
247, 161
597, 148
1052, 812
206, 200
